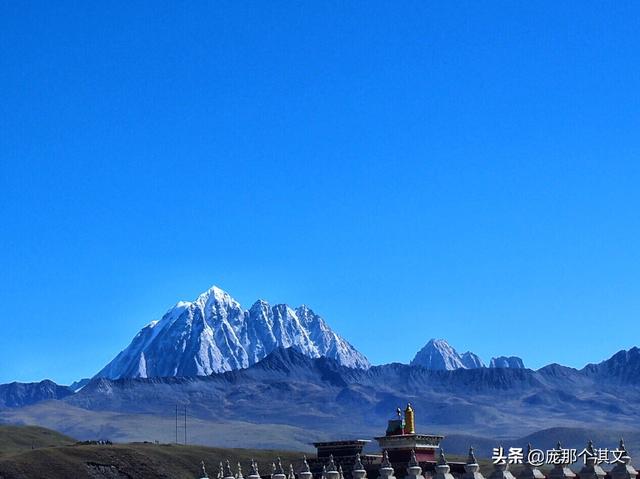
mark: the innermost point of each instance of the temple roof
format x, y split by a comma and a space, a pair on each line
342, 442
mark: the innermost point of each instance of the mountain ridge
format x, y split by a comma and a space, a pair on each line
438, 354
328, 401
331, 400
16, 394
213, 334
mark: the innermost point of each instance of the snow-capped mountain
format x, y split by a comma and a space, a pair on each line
215, 334
513, 362
472, 360
267, 396
439, 355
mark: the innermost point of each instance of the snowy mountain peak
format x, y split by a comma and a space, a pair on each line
438, 354
513, 362
214, 334
472, 360
214, 296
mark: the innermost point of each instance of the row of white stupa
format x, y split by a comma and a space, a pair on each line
590, 470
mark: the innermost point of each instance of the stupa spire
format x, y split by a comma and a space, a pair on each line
414, 471
305, 472
386, 469
226, 471
253, 471
561, 471
443, 471
501, 470
591, 469
332, 471
529, 471
358, 471
277, 472
623, 468
472, 468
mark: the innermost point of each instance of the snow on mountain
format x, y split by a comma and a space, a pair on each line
79, 384
513, 362
472, 360
215, 334
438, 354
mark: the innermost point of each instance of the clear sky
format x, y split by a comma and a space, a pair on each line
460, 170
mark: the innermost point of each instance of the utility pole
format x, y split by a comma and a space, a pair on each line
185, 425
176, 423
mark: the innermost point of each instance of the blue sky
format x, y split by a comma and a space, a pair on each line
464, 170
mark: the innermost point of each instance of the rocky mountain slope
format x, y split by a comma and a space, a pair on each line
438, 355
214, 334
506, 362
291, 399
22, 394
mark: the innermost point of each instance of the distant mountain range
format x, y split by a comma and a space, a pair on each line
322, 399
214, 334
439, 355
23, 394
279, 377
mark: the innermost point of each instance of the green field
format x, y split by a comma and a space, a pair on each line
125, 428
28, 452
19, 439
